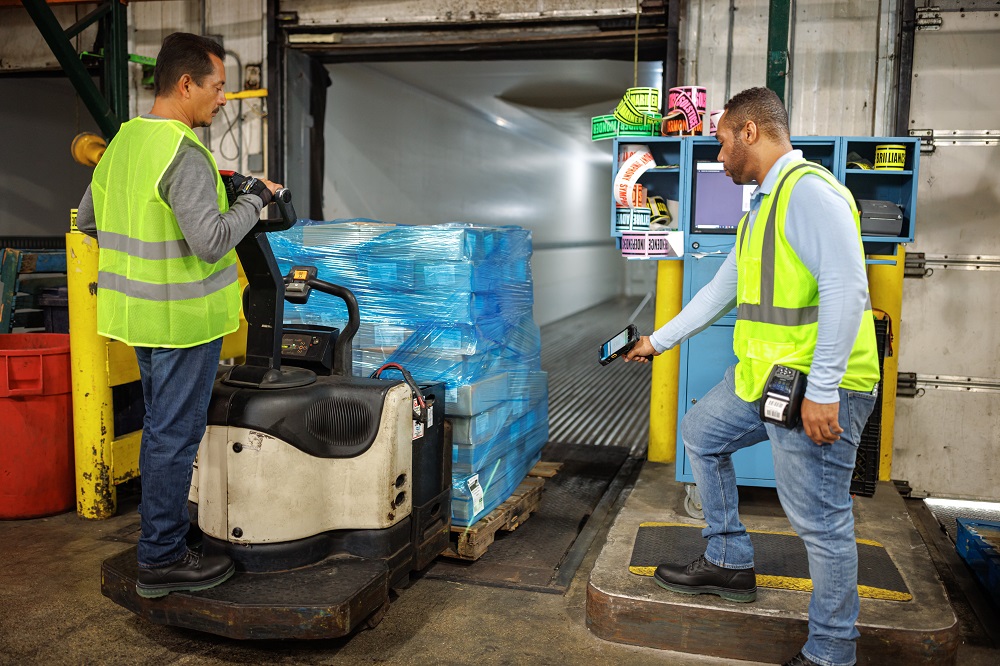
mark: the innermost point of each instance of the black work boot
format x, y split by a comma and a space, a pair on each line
703, 577
800, 660
190, 574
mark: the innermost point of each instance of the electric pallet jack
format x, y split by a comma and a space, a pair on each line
327, 490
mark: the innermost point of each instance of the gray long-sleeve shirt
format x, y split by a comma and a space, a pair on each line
188, 187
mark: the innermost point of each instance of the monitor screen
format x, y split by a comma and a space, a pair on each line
719, 203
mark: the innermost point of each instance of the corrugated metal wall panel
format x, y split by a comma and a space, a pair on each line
834, 56
834, 61
241, 26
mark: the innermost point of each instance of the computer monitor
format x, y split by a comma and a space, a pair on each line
719, 203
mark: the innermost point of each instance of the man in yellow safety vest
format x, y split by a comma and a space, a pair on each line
797, 278
167, 286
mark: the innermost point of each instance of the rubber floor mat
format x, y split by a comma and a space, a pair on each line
529, 558
779, 559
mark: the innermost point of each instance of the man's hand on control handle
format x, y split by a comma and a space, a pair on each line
820, 421
642, 352
262, 187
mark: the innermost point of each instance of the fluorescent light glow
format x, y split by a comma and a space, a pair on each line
963, 504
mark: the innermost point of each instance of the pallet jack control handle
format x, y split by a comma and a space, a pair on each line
282, 200
342, 353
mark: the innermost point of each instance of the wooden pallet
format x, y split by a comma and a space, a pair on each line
470, 543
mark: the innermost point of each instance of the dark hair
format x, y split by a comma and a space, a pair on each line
763, 107
183, 53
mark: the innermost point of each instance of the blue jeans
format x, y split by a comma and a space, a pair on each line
813, 485
176, 388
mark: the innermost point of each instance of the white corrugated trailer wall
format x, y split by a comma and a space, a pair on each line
422, 143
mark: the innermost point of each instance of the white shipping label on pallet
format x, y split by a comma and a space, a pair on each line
478, 504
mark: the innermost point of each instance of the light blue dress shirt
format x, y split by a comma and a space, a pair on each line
820, 228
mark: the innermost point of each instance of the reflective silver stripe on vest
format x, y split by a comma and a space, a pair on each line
766, 312
780, 316
171, 249
168, 292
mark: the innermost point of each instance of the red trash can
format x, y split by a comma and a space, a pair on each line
37, 470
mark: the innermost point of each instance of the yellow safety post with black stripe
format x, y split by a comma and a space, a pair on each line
666, 367
885, 284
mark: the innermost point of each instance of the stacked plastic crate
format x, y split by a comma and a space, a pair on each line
450, 303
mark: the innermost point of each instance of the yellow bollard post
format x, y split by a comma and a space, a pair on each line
885, 284
93, 415
666, 366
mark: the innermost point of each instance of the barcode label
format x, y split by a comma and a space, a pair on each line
477, 494
775, 409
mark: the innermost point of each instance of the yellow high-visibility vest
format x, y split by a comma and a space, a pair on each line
778, 298
152, 290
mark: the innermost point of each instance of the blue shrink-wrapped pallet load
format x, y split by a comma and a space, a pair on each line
450, 303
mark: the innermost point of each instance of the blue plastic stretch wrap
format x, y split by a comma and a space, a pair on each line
529, 430
450, 303
408, 275
498, 481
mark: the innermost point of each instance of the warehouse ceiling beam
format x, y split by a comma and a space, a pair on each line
107, 114
777, 46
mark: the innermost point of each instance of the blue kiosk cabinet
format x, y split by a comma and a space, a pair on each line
711, 206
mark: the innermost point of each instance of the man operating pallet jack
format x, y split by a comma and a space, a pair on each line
168, 287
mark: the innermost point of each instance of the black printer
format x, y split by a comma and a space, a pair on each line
880, 218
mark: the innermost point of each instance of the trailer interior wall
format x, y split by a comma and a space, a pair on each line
493, 142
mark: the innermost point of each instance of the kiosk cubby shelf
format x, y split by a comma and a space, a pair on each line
896, 185
664, 180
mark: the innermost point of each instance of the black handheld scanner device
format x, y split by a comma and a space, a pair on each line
619, 345
782, 398
237, 184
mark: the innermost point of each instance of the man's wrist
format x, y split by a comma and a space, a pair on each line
257, 187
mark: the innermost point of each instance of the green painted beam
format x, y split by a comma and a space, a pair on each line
116, 59
777, 46
107, 119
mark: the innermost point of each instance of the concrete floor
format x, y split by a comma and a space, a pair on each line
52, 612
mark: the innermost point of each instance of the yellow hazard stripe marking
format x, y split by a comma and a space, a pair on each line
803, 585
864, 542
